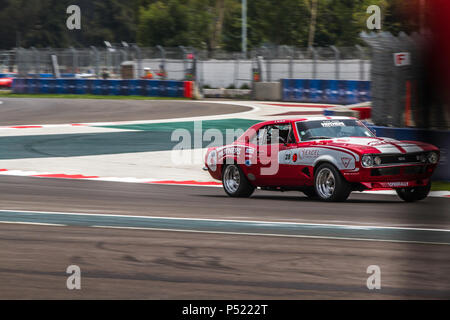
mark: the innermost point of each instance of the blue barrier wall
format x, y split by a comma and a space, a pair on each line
50, 75
38, 75
325, 91
149, 88
440, 139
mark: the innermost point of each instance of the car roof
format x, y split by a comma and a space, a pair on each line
259, 125
306, 118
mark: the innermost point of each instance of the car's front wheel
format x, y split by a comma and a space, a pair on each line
235, 183
330, 185
414, 194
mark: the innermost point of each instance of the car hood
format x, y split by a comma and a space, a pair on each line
364, 145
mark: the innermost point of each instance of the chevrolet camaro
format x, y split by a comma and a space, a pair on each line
325, 158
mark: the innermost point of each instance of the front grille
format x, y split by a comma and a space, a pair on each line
385, 172
415, 170
379, 172
400, 159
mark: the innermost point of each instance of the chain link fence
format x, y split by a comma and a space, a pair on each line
7, 61
218, 69
397, 85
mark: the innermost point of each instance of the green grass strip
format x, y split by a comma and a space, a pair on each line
440, 186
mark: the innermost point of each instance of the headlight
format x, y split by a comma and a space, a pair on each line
422, 157
377, 160
367, 161
433, 157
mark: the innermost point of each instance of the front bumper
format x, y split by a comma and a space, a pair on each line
392, 177
396, 184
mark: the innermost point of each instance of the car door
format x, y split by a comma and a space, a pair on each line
268, 171
289, 169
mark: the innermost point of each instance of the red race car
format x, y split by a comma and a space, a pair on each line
323, 157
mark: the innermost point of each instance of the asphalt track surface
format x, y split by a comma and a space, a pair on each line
18, 111
130, 263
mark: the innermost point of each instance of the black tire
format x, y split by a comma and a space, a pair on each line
242, 189
414, 194
337, 192
310, 192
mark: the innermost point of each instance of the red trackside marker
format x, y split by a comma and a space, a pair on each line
297, 105
26, 127
65, 176
195, 183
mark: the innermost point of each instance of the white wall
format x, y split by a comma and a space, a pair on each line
223, 73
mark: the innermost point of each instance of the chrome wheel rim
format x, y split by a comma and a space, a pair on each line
231, 179
325, 183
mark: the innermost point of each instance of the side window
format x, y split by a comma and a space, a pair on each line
260, 138
253, 139
263, 136
291, 137
282, 132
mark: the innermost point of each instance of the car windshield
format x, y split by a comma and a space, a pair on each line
325, 129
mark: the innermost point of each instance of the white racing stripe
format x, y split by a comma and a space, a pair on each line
386, 145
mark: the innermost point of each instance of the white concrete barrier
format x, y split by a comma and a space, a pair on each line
267, 91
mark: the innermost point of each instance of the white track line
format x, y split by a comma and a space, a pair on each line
152, 181
34, 223
273, 235
350, 227
264, 222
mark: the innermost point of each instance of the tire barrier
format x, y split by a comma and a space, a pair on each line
148, 88
325, 91
441, 139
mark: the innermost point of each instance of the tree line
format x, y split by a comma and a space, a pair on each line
204, 24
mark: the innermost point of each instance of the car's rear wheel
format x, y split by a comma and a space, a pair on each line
414, 194
330, 185
235, 183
